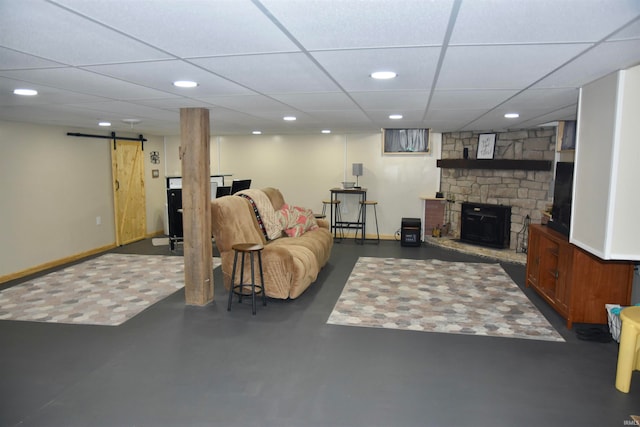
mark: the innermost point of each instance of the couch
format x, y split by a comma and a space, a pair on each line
292, 257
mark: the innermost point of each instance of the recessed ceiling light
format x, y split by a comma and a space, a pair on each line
289, 118
185, 84
131, 121
326, 131
257, 132
25, 92
104, 124
383, 75
395, 116
512, 115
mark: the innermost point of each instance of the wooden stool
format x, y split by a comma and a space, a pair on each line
338, 215
362, 216
629, 346
239, 289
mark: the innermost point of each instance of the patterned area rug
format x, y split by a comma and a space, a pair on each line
439, 296
107, 290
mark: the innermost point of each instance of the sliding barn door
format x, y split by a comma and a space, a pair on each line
128, 186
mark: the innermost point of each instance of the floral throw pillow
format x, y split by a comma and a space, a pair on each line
296, 220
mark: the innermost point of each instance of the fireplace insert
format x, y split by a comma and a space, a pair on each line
487, 225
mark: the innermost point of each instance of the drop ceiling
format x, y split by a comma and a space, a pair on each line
461, 64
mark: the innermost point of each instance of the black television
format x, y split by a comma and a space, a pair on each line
562, 196
239, 185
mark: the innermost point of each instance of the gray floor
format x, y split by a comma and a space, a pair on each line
175, 365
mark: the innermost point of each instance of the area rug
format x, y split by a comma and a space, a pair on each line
107, 290
439, 296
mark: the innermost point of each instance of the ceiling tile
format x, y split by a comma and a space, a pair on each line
190, 28
462, 115
597, 62
568, 113
316, 101
160, 75
543, 98
495, 120
502, 67
12, 60
630, 32
352, 68
339, 24
48, 31
469, 99
342, 117
76, 80
270, 74
540, 21
392, 100
123, 110
46, 95
247, 103
414, 116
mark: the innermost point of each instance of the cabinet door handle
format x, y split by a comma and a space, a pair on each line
556, 274
117, 185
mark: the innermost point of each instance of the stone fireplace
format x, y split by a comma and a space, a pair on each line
519, 176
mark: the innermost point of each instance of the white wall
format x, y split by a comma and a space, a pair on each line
305, 167
605, 202
54, 187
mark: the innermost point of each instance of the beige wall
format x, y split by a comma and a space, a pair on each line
305, 167
54, 188
155, 187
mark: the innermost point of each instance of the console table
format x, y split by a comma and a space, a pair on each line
360, 222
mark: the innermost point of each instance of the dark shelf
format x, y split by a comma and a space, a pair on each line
529, 165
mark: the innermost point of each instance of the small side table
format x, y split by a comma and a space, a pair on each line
239, 289
337, 223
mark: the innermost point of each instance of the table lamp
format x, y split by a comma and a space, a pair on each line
357, 172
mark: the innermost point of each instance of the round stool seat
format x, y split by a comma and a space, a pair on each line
243, 288
368, 202
628, 360
331, 202
247, 247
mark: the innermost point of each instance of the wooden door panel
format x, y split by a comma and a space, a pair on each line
533, 260
548, 266
129, 194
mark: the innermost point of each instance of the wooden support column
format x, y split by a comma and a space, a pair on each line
196, 205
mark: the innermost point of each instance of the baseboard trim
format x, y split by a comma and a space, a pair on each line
55, 263
368, 236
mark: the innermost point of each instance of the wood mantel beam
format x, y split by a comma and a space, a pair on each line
532, 165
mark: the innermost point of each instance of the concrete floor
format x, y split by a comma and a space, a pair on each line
175, 365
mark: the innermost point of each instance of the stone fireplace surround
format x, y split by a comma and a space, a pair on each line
526, 191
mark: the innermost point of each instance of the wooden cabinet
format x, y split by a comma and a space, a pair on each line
576, 283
